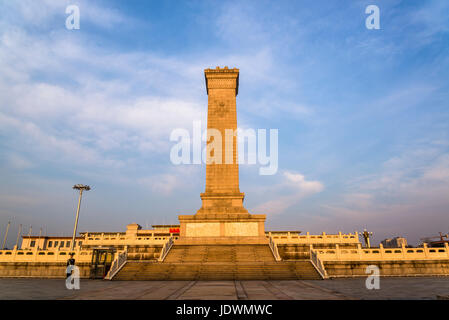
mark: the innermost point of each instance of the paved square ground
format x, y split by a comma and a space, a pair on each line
337, 289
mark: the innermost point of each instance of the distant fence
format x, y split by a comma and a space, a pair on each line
291, 238
383, 254
44, 255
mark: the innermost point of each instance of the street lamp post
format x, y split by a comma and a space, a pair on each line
81, 188
18, 236
6, 235
366, 235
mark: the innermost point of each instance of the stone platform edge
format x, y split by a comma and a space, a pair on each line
222, 225
221, 241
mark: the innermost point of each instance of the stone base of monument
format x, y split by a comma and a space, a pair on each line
224, 226
220, 240
222, 246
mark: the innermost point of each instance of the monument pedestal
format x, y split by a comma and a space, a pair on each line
222, 225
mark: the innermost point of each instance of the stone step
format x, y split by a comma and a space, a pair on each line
219, 253
141, 270
217, 262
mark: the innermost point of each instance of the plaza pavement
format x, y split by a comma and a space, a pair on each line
337, 289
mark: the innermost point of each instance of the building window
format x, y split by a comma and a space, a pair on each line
50, 243
67, 244
32, 244
56, 244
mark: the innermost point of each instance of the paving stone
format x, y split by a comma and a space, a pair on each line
349, 288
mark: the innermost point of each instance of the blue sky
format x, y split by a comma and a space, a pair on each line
362, 114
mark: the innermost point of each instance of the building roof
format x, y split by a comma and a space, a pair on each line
49, 237
293, 231
165, 225
102, 232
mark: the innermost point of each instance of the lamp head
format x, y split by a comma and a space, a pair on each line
81, 187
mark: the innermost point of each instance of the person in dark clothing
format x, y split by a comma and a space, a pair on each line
70, 262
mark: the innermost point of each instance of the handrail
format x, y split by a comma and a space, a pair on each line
289, 237
274, 250
44, 255
318, 264
165, 249
380, 253
117, 265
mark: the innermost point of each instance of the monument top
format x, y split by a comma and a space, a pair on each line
218, 69
222, 78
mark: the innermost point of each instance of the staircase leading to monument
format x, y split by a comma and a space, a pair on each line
219, 253
218, 262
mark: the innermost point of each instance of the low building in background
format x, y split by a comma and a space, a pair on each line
48, 242
134, 235
396, 242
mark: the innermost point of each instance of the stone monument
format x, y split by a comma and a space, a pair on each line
222, 213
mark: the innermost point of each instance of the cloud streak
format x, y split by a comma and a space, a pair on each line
292, 189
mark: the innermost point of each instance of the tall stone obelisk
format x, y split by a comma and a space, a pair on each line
222, 195
222, 213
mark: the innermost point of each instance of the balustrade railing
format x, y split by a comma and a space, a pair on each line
289, 237
274, 250
165, 249
117, 264
381, 254
318, 264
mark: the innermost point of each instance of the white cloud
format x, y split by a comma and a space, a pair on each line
179, 179
439, 172
86, 116
432, 20
292, 189
305, 187
42, 14
161, 183
19, 162
80, 121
